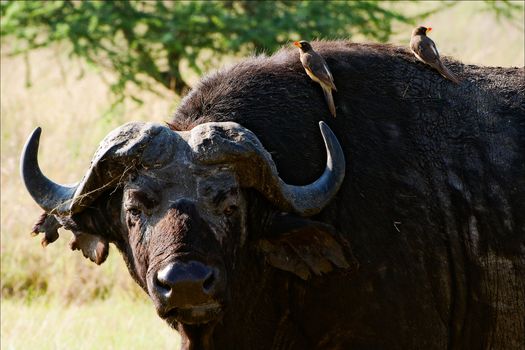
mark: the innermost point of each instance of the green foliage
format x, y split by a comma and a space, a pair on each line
147, 40
506, 9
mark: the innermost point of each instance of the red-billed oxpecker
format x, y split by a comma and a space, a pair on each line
425, 50
317, 69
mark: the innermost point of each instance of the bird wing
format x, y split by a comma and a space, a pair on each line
425, 48
317, 66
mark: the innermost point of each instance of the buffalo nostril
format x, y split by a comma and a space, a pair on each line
162, 284
180, 284
209, 281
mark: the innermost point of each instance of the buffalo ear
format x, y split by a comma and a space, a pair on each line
84, 226
304, 247
93, 247
49, 225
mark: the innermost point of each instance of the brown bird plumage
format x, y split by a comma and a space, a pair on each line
317, 69
425, 50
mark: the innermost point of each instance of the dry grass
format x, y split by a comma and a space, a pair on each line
53, 297
115, 323
71, 114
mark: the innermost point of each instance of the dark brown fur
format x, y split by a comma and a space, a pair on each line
431, 208
423, 158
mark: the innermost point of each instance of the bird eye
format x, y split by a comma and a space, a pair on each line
230, 210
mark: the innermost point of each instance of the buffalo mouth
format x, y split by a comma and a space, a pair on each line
194, 315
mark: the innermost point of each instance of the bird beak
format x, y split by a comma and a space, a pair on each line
298, 44
428, 29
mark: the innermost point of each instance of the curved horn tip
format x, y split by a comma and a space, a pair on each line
32, 141
310, 199
49, 195
325, 130
331, 142
37, 132
34, 137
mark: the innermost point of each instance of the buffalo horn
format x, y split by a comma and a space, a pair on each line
50, 196
311, 199
227, 142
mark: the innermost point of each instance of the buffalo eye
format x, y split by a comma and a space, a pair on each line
135, 213
230, 210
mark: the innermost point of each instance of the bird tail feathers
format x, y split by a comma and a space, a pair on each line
447, 73
329, 99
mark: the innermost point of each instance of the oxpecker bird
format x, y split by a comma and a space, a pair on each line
317, 69
425, 50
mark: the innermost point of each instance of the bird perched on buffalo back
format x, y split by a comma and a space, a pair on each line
425, 50
317, 69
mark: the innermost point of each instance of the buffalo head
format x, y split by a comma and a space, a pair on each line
177, 205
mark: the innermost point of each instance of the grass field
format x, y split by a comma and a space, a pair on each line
53, 298
114, 323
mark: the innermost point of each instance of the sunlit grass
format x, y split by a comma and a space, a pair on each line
72, 116
53, 298
114, 323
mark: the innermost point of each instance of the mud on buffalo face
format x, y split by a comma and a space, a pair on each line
174, 203
179, 229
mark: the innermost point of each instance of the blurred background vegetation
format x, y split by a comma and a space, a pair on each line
81, 68
150, 43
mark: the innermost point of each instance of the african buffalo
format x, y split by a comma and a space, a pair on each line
404, 230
